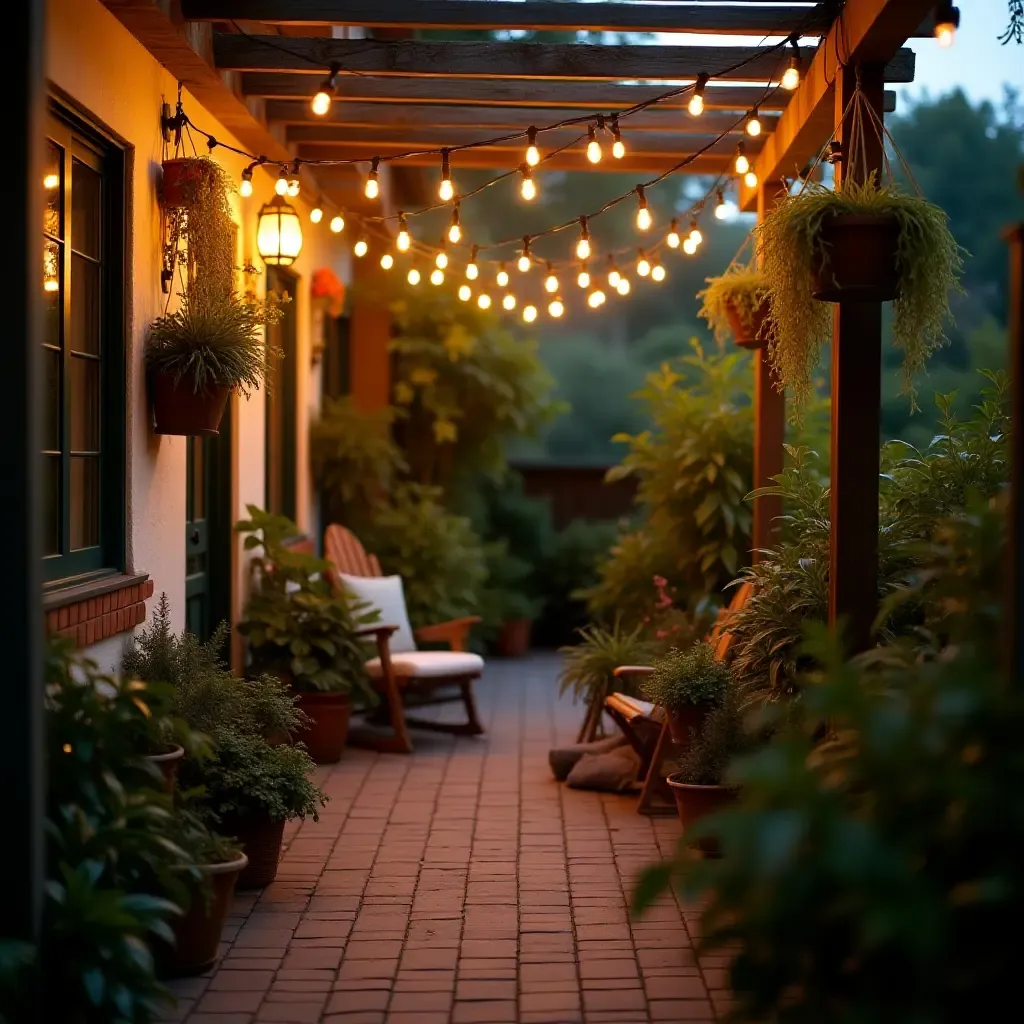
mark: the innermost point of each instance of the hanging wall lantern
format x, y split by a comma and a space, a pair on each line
279, 233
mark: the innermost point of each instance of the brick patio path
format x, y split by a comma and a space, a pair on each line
458, 885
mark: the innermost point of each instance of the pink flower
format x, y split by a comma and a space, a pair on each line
660, 582
661, 634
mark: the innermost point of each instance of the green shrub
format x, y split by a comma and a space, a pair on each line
687, 678
722, 737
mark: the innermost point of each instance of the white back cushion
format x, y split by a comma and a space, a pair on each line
384, 593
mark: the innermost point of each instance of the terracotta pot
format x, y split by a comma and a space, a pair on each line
168, 763
179, 409
855, 260
684, 721
328, 715
260, 839
197, 933
748, 332
514, 638
696, 802
181, 179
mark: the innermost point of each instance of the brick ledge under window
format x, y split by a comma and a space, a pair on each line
98, 609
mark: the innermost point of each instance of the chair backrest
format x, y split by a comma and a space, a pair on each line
718, 635
347, 555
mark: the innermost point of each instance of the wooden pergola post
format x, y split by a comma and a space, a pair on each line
369, 338
856, 407
769, 419
1015, 605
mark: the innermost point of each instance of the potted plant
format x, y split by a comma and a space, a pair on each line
737, 303
211, 345
687, 684
863, 242
305, 632
188, 181
506, 604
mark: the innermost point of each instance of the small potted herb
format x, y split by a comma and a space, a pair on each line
687, 684
861, 242
306, 633
211, 345
699, 784
736, 303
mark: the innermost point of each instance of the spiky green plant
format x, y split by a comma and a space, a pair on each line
928, 265
741, 288
588, 671
214, 339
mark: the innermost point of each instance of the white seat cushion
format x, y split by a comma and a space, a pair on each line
430, 664
385, 593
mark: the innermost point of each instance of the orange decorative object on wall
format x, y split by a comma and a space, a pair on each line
326, 285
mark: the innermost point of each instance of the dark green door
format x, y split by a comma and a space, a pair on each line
208, 531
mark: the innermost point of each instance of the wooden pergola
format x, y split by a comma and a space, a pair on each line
254, 65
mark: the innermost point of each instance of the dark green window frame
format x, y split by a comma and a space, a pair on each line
84, 463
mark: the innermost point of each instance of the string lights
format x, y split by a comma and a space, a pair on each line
721, 210
337, 223
413, 277
658, 272
465, 292
583, 277
672, 238
532, 158
742, 164
387, 261
618, 146
445, 188
550, 282
695, 233
791, 76
583, 245
372, 190
361, 248
947, 21
508, 302
528, 188
472, 270
441, 259
556, 307
593, 147
502, 276
281, 185
614, 277
437, 276
622, 286
696, 104
321, 101
483, 300
402, 240
316, 214
455, 228
529, 313
525, 257
245, 188
753, 125
643, 213
643, 265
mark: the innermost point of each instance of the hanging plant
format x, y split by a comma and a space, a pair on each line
736, 303
863, 241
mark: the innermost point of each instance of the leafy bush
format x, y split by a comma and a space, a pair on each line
683, 678
438, 555
928, 264
872, 873
722, 737
300, 628
693, 469
588, 667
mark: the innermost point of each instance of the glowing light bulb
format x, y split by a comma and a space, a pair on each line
437, 276
721, 210
245, 188
51, 181
643, 266
657, 272
742, 163
551, 282
583, 245
372, 190
483, 300
316, 215
945, 35
472, 270
387, 261
947, 21
528, 189
596, 298
614, 277
791, 77
556, 307
593, 146
618, 146
403, 241
337, 224
532, 152
446, 190
441, 260
622, 286
643, 214
509, 301
672, 238
529, 314
465, 292
750, 179
281, 185
583, 278
753, 125
50, 284
293, 186
502, 276
321, 102
696, 104
695, 232
413, 277
525, 257
455, 228
689, 246
361, 248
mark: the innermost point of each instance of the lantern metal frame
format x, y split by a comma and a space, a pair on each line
278, 207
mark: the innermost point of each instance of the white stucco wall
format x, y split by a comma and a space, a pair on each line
100, 68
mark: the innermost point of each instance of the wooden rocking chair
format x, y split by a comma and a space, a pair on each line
645, 726
408, 672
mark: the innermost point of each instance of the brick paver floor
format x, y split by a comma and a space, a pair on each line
462, 885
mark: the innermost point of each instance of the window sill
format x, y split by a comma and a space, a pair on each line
92, 610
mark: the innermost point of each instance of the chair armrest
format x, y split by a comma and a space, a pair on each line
382, 635
453, 633
377, 631
633, 673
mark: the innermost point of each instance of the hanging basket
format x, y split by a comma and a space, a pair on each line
179, 409
183, 178
748, 332
855, 259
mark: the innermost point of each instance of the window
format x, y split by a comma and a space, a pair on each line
83, 351
335, 375
282, 435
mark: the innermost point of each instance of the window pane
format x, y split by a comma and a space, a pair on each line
51, 403
84, 506
51, 505
85, 305
51, 293
52, 182
85, 404
198, 479
86, 209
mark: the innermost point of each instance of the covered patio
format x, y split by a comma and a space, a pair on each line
463, 884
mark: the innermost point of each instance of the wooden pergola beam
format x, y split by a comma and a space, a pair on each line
755, 19
344, 113
552, 61
872, 30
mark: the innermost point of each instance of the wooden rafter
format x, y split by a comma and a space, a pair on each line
553, 61
871, 30
755, 19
